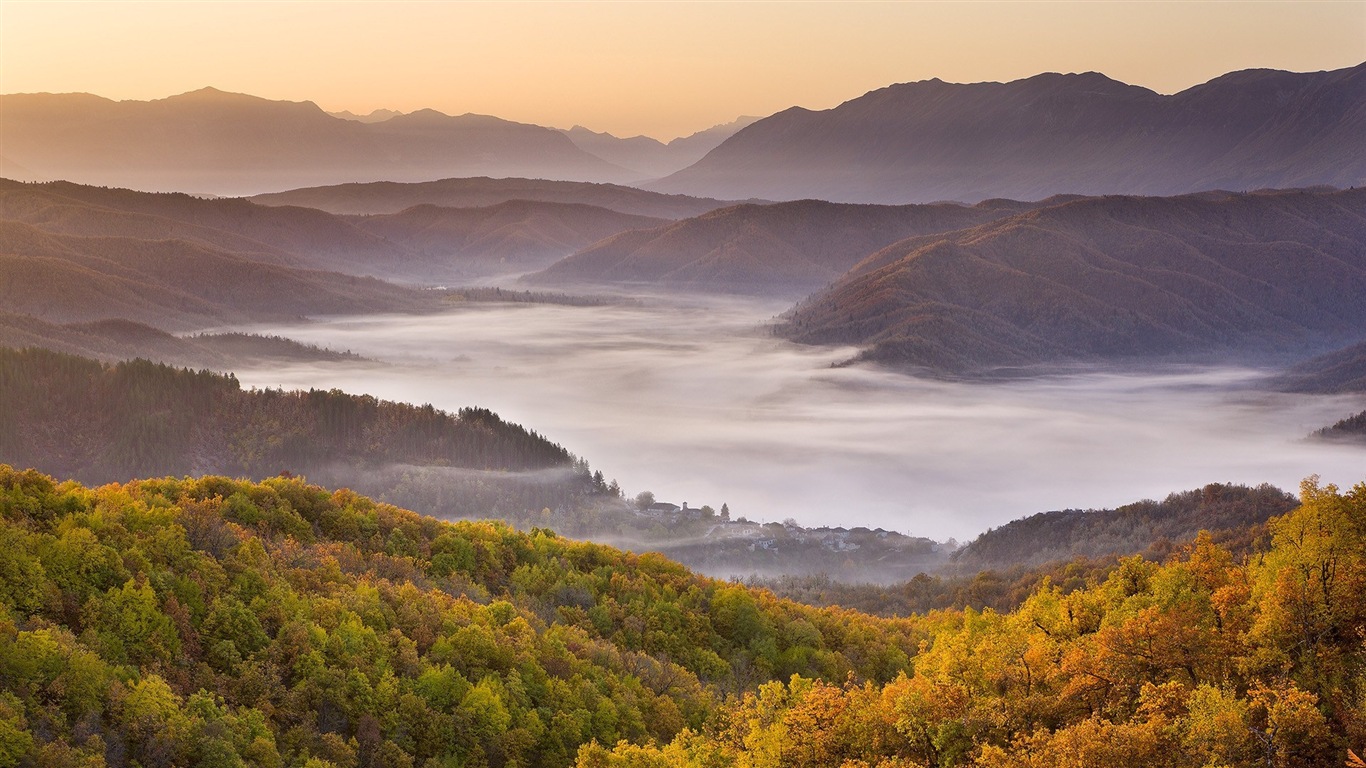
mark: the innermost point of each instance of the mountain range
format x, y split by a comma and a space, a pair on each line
1047, 134
230, 144
652, 158
910, 142
1109, 279
783, 249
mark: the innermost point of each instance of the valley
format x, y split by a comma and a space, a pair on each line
1016, 422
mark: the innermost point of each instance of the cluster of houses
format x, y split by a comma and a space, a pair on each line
768, 536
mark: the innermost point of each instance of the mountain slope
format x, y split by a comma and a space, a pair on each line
393, 197
170, 284
1109, 279
226, 143
1342, 370
515, 236
780, 249
1049, 134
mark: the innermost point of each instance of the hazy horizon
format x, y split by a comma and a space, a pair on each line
657, 69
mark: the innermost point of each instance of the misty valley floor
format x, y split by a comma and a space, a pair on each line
692, 399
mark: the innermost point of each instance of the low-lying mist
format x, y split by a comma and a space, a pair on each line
695, 401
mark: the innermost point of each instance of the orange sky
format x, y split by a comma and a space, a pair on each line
658, 68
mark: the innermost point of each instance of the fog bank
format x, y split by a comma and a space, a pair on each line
694, 401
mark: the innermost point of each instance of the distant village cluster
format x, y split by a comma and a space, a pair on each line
772, 536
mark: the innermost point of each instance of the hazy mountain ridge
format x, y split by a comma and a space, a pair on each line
1342, 370
118, 339
171, 284
776, 249
226, 143
513, 236
382, 197
652, 158
422, 244
1048, 134
1116, 278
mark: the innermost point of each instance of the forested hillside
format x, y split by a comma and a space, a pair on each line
79, 418
1204, 660
219, 622
1351, 428
1070, 549
1226, 511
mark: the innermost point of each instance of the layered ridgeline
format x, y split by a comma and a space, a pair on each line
426, 245
209, 141
1199, 277
651, 158
513, 236
784, 249
393, 197
125, 340
1049, 134
217, 622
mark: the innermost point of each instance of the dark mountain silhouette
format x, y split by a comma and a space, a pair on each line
1052, 133
1110, 279
515, 236
227, 143
392, 197
781, 249
652, 158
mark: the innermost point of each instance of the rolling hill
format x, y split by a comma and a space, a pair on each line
1200, 277
171, 284
1049, 134
514, 236
785, 249
424, 244
227, 143
393, 197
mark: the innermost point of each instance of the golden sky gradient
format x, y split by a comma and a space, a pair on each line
656, 68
